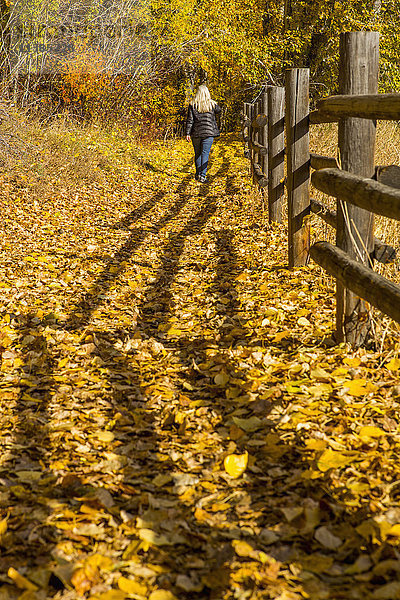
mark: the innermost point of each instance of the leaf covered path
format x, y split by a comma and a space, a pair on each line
149, 329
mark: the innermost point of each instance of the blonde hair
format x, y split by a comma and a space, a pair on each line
202, 100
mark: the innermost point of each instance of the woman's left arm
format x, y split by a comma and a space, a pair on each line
189, 122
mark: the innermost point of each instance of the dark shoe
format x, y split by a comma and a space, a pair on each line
203, 179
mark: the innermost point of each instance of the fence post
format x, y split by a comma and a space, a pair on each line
256, 136
276, 151
359, 66
298, 164
251, 140
264, 132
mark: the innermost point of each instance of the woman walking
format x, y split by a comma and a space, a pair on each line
202, 128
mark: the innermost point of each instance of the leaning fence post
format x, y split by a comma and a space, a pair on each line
276, 152
359, 66
298, 164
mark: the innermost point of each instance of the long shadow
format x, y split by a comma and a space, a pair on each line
27, 451
115, 266
168, 514
37, 386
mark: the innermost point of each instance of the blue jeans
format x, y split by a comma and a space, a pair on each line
202, 147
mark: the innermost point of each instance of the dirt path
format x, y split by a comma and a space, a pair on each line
150, 328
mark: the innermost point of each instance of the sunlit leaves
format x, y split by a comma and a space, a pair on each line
170, 423
235, 464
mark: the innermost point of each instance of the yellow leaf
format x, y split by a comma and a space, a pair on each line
162, 595
395, 530
4, 525
242, 548
174, 331
330, 459
393, 365
235, 464
131, 587
369, 431
313, 444
352, 362
279, 336
359, 387
303, 322
104, 436
222, 378
110, 595
158, 539
20, 581
100, 561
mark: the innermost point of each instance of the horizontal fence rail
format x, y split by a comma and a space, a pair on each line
366, 106
361, 189
383, 253
364, 282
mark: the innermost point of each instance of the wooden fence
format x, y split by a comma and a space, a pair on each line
360, 188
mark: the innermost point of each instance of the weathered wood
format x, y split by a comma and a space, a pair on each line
250, 109
317, 161
260, 120
359, 191
298, 164
276, 156
246, 123
263, 137
389, 175
246, 129
259, 176
254, 142
364, 106
362, 281
317, 117
327, 215
358, 69
383, 253
258, 148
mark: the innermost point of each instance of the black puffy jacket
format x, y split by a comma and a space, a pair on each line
202, 125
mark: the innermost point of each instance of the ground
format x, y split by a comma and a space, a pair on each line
176, 421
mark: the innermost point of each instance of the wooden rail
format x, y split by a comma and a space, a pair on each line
361, 189
258, 148
322, 162
363, 282
383, 253
259, 121
363, 106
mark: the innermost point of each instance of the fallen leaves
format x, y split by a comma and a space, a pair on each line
235, 464
173, 424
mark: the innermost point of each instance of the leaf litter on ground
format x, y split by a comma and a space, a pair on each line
176, 422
